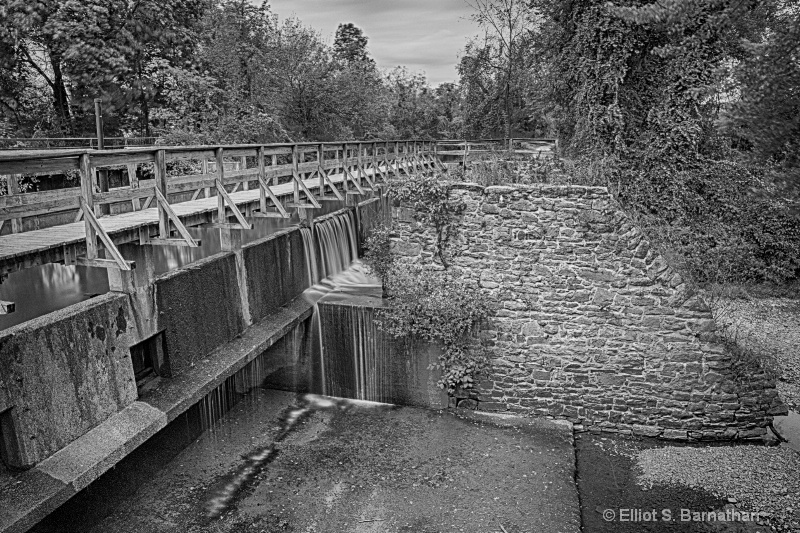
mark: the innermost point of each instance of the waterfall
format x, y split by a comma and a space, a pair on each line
311, 256
358, 354
336, 238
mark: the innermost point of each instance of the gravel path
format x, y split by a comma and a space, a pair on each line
755, 478
771, 326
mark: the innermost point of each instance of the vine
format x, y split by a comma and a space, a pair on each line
429, 196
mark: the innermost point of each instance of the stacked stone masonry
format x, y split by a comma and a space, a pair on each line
590, 324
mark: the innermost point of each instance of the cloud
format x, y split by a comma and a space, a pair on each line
425, 35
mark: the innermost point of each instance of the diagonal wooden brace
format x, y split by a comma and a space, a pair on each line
277, 203
367, 177
117, 260
232, 205
303, 187
329, 181
186, 237
349, 175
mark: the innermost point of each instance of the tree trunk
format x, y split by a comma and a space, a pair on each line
60, 97
145, 115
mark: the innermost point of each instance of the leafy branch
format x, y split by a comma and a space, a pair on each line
432, 204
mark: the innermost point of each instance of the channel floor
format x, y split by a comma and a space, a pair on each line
357, 467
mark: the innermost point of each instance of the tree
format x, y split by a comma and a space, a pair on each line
350, 45
494, 70
767, 115
78, 50
413, 104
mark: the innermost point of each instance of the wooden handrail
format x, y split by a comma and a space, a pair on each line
397, 155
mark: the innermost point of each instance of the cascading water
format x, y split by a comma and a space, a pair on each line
331, 247
359, 356
336, 237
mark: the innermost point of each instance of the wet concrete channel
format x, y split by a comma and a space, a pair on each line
345, 466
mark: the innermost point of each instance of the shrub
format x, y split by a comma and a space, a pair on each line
721, 221
432, 306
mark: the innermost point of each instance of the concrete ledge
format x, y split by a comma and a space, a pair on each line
29, 497
88, 457
174, 396
32, 496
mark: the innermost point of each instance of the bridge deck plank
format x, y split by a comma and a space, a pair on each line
19, 245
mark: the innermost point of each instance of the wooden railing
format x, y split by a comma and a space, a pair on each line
222, 170
46, 143
219, 170
156, 178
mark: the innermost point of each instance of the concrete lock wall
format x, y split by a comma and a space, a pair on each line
590, 323
275, 271
199, 309
66, 372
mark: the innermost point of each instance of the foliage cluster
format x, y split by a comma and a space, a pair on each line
378, 252
688, 111
432, 306
433, 205
200, 71
722, 221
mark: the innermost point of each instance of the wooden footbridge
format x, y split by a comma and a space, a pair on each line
171, 188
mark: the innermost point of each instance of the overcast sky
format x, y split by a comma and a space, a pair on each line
423, 35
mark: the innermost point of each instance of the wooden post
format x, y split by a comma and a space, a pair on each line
375, 166
220, 160
344, 159
13, 189
360, 162
87, 193
133, 182
243, 166
344, 174
102, 183
160, 167
296, 175
274, 164
321, 169
206, 190
262, 177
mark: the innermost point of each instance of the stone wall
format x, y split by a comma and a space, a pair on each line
590, 323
